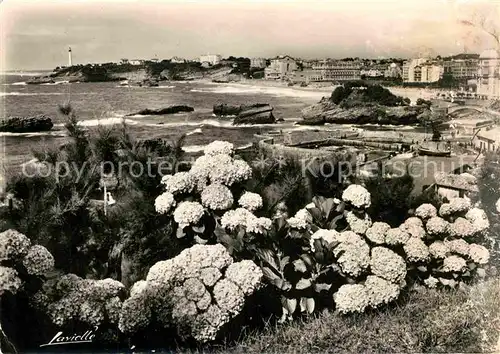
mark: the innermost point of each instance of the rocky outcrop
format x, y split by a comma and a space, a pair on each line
162, 111
37, 80
257, 113
328, 112
33, 124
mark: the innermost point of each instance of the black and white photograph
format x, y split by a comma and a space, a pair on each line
245, 176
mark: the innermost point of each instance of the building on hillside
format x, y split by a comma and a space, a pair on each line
212, 59
258, 63
409, 66
306, 76
461, 68
124, 61
339, 70
393, 71
488, 75
177, 60
137, 61
487, 139
281, 68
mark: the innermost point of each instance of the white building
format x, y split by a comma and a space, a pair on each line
177, 60
488, 76
488, 139
431, 72
393, 71
422, 70
257, 62
136, 61
212, 59
281, 68
409, 74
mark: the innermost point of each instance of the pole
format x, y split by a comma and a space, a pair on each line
105, 200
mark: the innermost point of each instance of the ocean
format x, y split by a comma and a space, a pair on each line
108, 103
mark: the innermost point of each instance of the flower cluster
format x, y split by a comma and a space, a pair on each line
396, 236
198, 292
300, 220
426, 211
353, 253
181, 182
455, 206
250, 201
436, 226
13, 245
217, 197
414, 227
71, 298
9, 280
219, 147
387, 264
242, 217
329, 236
164, 202
416, 250
357, 196
376, 233
479, 219
188, 213
38, 261
358, 223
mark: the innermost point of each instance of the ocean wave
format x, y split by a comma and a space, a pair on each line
166, 86
31, 135
30, 93
55, 83
20, 83
196, 131
193, 148
275, 91
106, 121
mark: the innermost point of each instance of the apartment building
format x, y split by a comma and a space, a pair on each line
488, 75
339, 70
422, 70
409, 72
306, 76
461, 68
212, 59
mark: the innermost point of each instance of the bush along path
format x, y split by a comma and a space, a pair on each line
328, 255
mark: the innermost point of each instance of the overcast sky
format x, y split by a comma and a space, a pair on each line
36, 34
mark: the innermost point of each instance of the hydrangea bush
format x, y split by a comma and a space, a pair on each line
197, 293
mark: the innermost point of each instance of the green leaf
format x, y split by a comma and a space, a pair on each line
303, 306
270, 274
303, 284
291, 305
284, 261
299, 266
310, 305
180, 233
316, 214
198, 229
268, 257
281, 284
327, 206
307, 259
322, 286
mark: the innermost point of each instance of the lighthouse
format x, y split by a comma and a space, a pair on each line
70, 59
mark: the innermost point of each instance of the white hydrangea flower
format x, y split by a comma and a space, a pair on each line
246, 274
426, 211
217, 197
351, 298
479, 254
184, 311
13, 245
380, 291
436, 226
188, 213
478, 218
226, 170
164, 202
209, 276
358, 224
9, 280
396, 236
206, 326
228, 296
250, 201
414, 227
461, 227
416, 250
454, 264
138, 287
431, 282
113, 308
357, 195
353, 253
455, 206
218, 147
300, 220
242, 217
497, 205
438, 250
38, 261
458, 246
387, 264
204, 302
181, 182
258, 225
328, 235
376, 233
194, 289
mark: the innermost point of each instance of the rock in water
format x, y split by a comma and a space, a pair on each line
161, 111
258, 113
33, 124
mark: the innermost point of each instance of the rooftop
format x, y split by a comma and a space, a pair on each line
492, 134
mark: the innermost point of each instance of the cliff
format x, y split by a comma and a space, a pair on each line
33, 124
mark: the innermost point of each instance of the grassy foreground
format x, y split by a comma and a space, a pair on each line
425, 320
